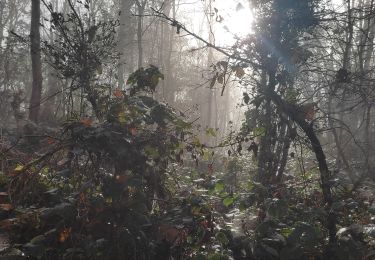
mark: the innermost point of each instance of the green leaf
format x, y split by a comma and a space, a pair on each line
219, 187
242, 206
259, 131
228, 201
211, 132
207, 155
277, 208
152, 152
222, 238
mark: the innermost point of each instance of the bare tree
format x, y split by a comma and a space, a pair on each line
36, 92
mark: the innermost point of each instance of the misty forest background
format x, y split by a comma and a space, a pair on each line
190, 129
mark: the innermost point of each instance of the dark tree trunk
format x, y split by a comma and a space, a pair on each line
325, 176
36, 91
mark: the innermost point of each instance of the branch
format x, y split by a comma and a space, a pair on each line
180, 27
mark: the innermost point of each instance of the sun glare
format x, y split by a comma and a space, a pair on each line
237, 19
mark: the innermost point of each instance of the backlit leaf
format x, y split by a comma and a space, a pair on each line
64, 234
19, 168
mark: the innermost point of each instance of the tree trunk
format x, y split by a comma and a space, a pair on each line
125, 38
141, 9
325, 176
36, 91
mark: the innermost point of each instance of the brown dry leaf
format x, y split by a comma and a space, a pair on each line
240, 72
86, 122
118, 93
50, 140
122, 178
6, 207
6, 224
133, 131
64, 234
169, 233
63, 161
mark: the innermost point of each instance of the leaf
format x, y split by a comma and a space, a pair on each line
122, 117
259, 131
87, 122
223, 64
228, 201
196, 141
65, 234
220, 79
19, 168
277, 208
246, 98
239, 71
239, 7
133, 131
213, 81
242, 207
6, 207
50, 140
207, 155
152, 152
219, 187
63, 161
222, 238
6, 224
99, 70
38, 240
211, 132
118, 93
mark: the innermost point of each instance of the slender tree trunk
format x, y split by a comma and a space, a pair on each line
325, 176
125, 38
141, 9
36, 92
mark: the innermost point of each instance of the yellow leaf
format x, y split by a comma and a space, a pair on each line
196, 141
122, 117
19, 168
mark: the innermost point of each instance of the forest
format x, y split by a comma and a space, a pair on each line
187, 129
